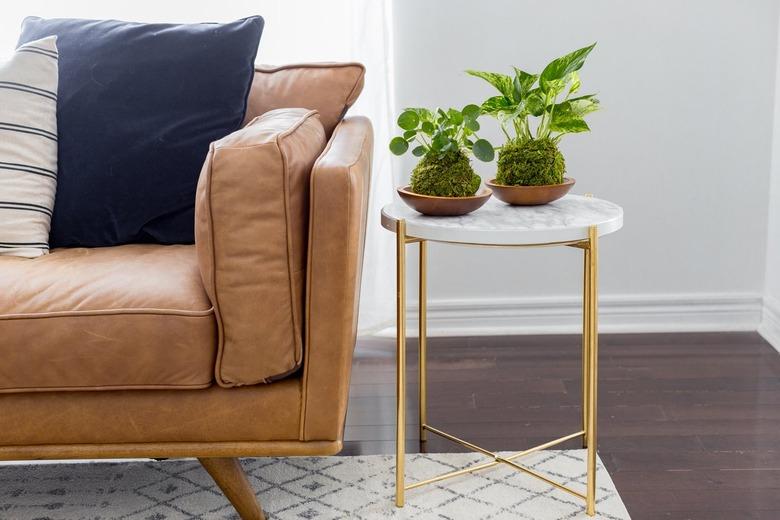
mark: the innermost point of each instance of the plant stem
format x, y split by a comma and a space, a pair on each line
552, 111
503, 129
544, 126
518, 128
540, 128
422, 142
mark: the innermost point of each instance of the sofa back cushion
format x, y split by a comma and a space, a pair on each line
138, 106
328, 88
251, 222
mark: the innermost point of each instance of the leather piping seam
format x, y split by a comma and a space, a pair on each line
350, 100
274, 141
215, 303
352, 97
347, 169
297, 340
99, 450
108, 312
317, 65
293, 440
309, 277
101, 388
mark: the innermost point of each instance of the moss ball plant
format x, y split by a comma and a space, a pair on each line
534, 112
531, 162
447, 174
444, 140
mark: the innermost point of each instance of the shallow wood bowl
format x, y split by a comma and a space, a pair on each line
531, 195
443, 206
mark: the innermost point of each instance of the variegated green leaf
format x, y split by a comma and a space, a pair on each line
501, 82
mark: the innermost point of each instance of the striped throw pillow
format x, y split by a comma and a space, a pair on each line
28, 148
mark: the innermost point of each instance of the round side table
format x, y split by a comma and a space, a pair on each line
573, 221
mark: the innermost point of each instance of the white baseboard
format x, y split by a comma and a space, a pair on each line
563, 315
770, 322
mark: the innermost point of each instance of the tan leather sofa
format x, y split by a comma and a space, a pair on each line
239, 345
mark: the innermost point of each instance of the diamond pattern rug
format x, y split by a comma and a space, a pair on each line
308, 488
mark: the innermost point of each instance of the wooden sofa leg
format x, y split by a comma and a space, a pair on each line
231, 479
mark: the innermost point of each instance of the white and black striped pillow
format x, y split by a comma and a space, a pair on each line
28, 148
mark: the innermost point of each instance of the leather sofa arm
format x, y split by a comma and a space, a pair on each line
337, 223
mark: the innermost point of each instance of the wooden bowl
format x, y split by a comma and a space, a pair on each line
531, 195
443, 206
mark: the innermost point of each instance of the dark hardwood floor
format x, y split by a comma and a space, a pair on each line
689, 424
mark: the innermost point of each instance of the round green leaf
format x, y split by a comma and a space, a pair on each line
398, 145
428, 127
418, 151
439, 142
408, 120
483, 150
471, 111
472, 124
456, 117
424, 113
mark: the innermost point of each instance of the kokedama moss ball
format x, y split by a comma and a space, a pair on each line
530, 163
445, 175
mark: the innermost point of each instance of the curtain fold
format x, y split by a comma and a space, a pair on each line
373, 41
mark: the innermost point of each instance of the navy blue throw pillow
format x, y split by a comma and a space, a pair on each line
137, 108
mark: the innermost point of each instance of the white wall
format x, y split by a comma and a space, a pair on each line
770, 324
683, 144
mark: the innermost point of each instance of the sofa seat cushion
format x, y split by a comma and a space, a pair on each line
124, 317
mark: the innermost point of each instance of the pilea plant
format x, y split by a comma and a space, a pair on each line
530, 156
443, 140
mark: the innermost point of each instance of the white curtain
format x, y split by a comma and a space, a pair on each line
295, 31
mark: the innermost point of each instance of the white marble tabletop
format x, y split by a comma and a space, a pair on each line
497, 223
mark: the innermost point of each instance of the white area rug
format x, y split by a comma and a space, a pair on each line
311, 488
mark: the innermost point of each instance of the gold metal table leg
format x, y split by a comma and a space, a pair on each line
423, 340
585, 341
496, 459
400, 429
593, 356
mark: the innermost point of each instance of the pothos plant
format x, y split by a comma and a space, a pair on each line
530, 155
443, 140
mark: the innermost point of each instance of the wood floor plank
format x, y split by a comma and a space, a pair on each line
689, 480
689, 424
